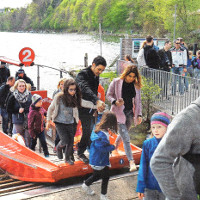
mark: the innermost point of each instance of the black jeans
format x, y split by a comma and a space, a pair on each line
87, 123
66, 134
42, 139
100, 174
5, 119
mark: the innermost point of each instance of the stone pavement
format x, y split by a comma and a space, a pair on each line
120, 188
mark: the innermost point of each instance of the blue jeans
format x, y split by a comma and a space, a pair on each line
185, 79
124, 135
177, 71
5, 120
197, 73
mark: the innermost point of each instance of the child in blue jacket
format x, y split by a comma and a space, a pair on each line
100, 149
147, 185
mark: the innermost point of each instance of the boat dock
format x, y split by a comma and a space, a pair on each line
121, 186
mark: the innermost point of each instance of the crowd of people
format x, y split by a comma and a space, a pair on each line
177, 60
168, 159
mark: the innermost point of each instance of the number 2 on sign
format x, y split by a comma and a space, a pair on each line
27, 57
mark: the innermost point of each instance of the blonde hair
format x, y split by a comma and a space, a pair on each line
132, 69
143, 44
28, 86
62, 80
19, 81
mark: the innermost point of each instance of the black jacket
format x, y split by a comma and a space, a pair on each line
13, 106
164, 64
4, 74
26, 78
4, 91
151, 57
88, 84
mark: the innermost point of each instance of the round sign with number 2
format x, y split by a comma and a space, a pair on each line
26, 56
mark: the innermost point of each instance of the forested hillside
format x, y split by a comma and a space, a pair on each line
154, 17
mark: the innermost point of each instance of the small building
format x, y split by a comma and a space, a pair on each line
131, 46
2, 10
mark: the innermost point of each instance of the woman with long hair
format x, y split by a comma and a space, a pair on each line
18, 105
124, 93
64, 113
60, 86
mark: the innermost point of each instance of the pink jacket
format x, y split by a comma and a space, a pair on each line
115, 92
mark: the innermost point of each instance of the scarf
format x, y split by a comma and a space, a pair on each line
21, 97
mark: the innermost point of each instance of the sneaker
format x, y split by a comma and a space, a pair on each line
83, 158
88, 190
54, 150
60, 153
132, 166
69, 161
72, 158
103, 197
46, 156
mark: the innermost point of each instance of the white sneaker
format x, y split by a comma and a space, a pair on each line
103, 197
88, 190
132, 166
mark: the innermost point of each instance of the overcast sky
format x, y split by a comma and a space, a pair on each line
14, 3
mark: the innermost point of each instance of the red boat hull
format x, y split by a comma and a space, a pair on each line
26, 165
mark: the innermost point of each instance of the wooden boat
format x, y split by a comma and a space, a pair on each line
24, 164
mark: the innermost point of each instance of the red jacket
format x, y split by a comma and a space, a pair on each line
36, 120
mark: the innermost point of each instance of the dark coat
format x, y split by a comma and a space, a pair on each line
25, 77
88, 84
36, 120
164, 65
4, 74
151, 57
4, 91
13, 106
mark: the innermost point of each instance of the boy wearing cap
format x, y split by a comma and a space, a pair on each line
36, 123
147, 185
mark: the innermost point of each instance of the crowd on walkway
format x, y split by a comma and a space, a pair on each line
169, 158
178, 60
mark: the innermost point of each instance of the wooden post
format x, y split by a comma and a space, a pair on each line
38, 77
86, 60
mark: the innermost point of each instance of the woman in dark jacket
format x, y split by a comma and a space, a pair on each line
18, 105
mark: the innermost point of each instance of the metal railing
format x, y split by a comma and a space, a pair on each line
177, 91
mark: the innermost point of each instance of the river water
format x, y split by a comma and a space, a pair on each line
55, 50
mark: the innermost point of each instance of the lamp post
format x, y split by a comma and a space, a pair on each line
175, 22
100, 38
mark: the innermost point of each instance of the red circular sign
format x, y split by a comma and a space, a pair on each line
26, 56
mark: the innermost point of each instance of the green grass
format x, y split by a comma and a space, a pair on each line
110, 75
138, 134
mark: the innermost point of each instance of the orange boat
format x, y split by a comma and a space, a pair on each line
24, 164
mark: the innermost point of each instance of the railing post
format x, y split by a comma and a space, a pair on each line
86, 60
38, 77
61, 74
